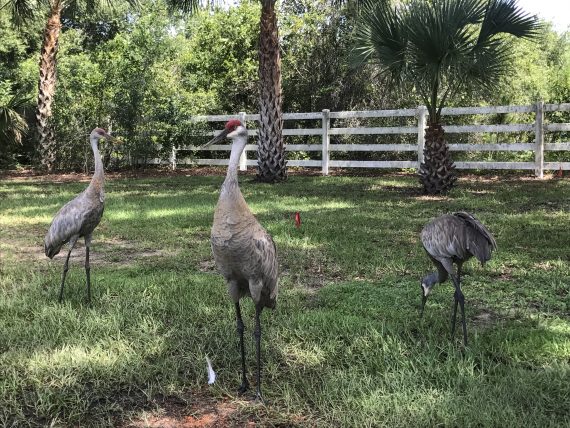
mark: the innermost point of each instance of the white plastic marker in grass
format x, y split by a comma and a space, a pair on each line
211, 372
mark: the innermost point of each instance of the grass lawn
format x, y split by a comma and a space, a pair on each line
345, 346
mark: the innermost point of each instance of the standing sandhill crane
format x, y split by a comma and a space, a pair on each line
80, 216
244, 252
454, 238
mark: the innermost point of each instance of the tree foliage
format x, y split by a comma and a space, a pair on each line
144, 72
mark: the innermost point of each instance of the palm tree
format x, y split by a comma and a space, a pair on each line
439, 48
271, 164
24, 10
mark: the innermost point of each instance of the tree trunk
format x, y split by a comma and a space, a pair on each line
46, 87
437, 172
271, 164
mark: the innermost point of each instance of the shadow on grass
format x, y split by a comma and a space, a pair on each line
145, 336
344, 350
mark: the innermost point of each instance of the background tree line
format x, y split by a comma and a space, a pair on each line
144, 71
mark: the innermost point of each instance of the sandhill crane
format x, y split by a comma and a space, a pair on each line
244, 252
79, 217
454, 238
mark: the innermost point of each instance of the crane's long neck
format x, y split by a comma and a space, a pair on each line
231, 181
98, 177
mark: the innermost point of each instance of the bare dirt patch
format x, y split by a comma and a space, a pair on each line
545, 265
111, 252
484, 318
160, 172
433, 198
487, 318
198, 411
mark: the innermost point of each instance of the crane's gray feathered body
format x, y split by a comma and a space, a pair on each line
76, 219
454, 238
244, 252
79, 217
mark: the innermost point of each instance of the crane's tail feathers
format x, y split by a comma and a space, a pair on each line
477, 225
481, 241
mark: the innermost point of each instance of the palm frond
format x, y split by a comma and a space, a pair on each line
184, 6
13, 126
92, 6
439, 28
505, 16
380, 36
488, 63
22, 11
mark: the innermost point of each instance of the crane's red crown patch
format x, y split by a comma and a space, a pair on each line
233, 124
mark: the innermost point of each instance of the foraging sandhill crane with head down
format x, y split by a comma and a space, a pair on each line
454, 238
80, 216
244, 252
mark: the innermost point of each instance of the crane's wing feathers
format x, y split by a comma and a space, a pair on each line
480, 242
63, 227
267, 252
267, 255
441, 240
76, 218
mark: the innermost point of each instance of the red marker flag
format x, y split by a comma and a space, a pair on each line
297, 220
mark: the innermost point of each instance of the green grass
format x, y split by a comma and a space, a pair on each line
345, 346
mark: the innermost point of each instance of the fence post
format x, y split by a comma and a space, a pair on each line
539, 140
243, 156
326, 141
422, 115
172, 159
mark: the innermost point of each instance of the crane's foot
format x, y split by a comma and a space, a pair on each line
243, 387
258, 397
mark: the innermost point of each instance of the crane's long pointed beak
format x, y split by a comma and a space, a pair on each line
424, 300
218, 138
112, 139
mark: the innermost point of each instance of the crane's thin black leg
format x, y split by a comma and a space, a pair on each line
240, 328
257, 334
455, 302
459, 299
454, 316
424, 300
65, 269
87, 272
462, 304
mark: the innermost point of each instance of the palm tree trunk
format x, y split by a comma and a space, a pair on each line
437, 172
271, 164
46, 86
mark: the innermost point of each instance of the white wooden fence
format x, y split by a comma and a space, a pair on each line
538, 127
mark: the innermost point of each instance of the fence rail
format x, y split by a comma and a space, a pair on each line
538, 127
